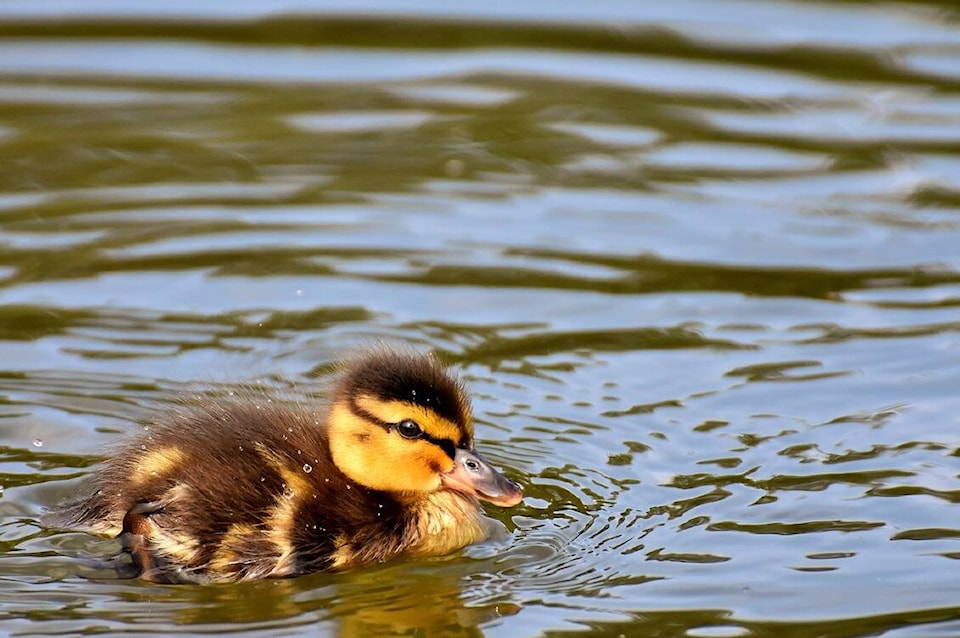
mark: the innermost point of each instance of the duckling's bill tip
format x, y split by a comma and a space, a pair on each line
473, 475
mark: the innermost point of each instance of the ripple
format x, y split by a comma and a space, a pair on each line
610, 134
806, 527
239, 63
354, 122
830, 123
733, 158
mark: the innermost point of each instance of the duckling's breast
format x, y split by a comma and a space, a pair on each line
447, 521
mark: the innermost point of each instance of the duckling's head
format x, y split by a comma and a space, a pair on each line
400, 423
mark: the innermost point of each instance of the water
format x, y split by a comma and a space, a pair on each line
698, 263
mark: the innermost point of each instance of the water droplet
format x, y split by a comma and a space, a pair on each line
38, 443
240, 447
263, 478
143, 446
307, 468
454, 167
288, 492
326, 480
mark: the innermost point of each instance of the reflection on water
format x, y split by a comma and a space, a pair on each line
700, 275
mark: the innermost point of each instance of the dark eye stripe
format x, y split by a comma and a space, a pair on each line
448, 446
444, 444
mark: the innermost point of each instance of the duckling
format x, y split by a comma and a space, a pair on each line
243, 490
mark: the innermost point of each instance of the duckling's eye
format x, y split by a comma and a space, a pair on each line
409, 429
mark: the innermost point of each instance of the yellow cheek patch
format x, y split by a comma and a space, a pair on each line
434, 425
381, 460
431, 456
156, 464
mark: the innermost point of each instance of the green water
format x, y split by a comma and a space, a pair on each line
698, 262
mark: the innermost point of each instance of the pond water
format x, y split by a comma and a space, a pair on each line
698, 262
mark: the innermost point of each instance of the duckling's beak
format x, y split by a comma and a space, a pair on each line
473, 475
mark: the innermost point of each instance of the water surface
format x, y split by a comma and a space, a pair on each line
697, 262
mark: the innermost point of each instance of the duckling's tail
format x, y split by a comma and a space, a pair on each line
87, 515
